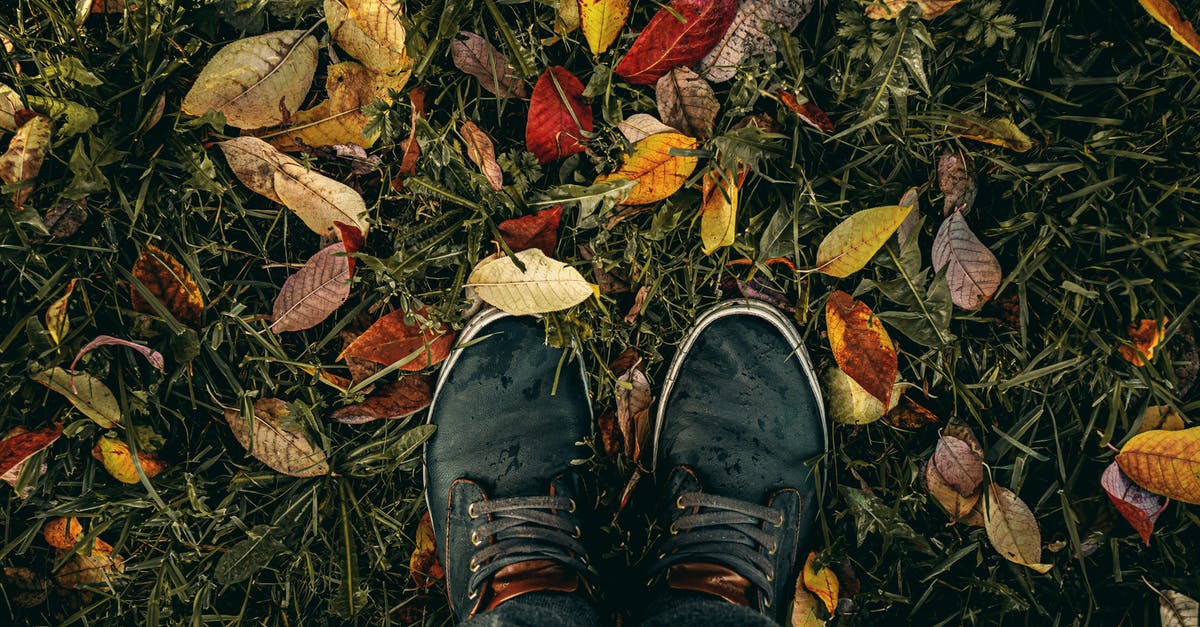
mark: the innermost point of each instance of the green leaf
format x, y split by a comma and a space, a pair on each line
248, 556
86, 393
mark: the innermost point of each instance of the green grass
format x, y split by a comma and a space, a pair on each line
1095, 227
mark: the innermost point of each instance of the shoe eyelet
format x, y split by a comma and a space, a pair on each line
672, 529
474, 566
471, 511
767, 602
578, 532
473, 595
475, 540
779, 523
679, 502
771, 551
771, 577
572, 509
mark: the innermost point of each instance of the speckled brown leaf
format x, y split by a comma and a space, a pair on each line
263, 436
909, 414
23, 159
482, 153
956, 182
475, 56
169, 282
633, 411
392, 401
10, 103
972, 271
686, 102
83, 570
315, 291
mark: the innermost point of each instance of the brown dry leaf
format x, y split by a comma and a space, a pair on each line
718, 211
888, 9
861, 346
747, 34
972, 271
1176, 609
166, 279
639, 301
482, 153
66, 217
284, 450
26, 588
412, 148
954, 476
1146, 334
908, 414
852, 243
89, 395
315, 291
998, 132
633, 411
605, 279
804, 611
419, 344
57, 321
687, 102
1162, 417
392, 401
1165, 462
812, 115
62, 532
639, 126
82, 570
956, 182
602, 21
475, 56
10, 104
117, 459
24, 157
1183, 32
545, 284
849, 403
423, 564
1012, 529
821, 582
1138, 506
539, 230
657, 172
20, 444
909, 199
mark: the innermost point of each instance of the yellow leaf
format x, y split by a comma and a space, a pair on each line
258, 81
1168, 15
821, 582
371, 31
338, 120
998, 132
423, 564
889, 9
602, 21
62, 532
91, 397
57, 321
24, 157
851, 244
10, 103
1165, 462
656, 171
718, 215
1161, 417
545, 285
284, 450
849, 403
1012, 529
118, 460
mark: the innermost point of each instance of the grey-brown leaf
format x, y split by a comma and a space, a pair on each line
314, 292
687, 102
956, 182
747, 34
972, 271
475, 56
268, 441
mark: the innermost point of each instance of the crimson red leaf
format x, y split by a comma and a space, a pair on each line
19, 447
558, 116
395, 400
668, 41
352, 241
539, 230
391, 340
1139, 507
813, 115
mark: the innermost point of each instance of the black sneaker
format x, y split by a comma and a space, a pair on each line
736, 438
504, 499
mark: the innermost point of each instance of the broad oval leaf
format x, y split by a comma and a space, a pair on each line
851, 244
371, 31
25, 155
1165, 462
656, 171
1138, 506
392, 401
821, 581
544, 285
1176, 609
679, 35
559, 119
169, 283
747, 34
90, 396
10, 104
718, 214
972, 271
861, 346
639, 126
117, 458
256, 82
315, 291
601, 21
849, 403
475, 56
89, 569
482, 153
687, 102
392, 339
284, 450
954, 476
1012, 529
248, 556
539, 230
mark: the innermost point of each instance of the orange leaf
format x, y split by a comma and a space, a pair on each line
423, 564
657, 172
909, 414
118, 460
1161, 417
18, 446
1168, 15
1145, 335
998, 132
391, 340
1165, 462
62, 532
601, 21
861, 345
813, 115
167, 280
821, 582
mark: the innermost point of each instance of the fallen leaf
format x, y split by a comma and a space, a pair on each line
686, 102
1176, 609
718, 212
25, 155
338, 119
545, 285
861, 345
117, 459
747, 34
559, 119
888, 9
473, 55
849, 403
908, 414
314, 292
248, 556
423, 564
812, 115
601, 21
392, 401
66, 217
283, 449
371, 31
956, 183
633, 402
10, 104
972, 271
851, 244
821, 581
317, 200
954, 476
1146, 334
1012, 529
1183, 32
169, 282
412, 148
566, 16
639, 126
639, 301
24, 587
804, 608
1161, 417
1165, 462
57, 321
909, 199
608, 282
539, 230
482, 153
998, 132
391, 339
679, 35
21, 444
91, 397
154, 357
63, 533
258, 81
657, 172
83, 570
1138, 506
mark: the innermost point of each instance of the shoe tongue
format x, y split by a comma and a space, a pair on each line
711, 579
529, 576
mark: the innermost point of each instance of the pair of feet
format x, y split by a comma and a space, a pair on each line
736, 433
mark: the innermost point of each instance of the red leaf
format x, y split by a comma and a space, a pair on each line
809, 112
1139, 507
412, 150
557, 122
667, 42
539, 230
395, 400
20, 447
861, 345
352, 240
391, 339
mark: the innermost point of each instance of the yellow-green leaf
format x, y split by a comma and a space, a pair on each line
656, 171
718, 215
86, 393
1012, 529
57, 321
23, 159
117, 459
545, 285
851, 244
998, 132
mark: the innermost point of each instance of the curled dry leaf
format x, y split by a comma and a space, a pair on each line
1138, 506
117, 459
972, 271
1012, 529
602, 21
539, 231
804, 610
423, 564
1165, 462
849, 403
19, 445
154, 357
718, 213
956, 182
1183, 32
861, 346
10, 104
412, 148
639, 126
633, 401
1176, 609
909, 199
954, 476
315, 291
23, 159
812, 115
559, 119
65, 217
998, 132
821, 581
284, 449
687, 102
679, 35
888, 9
545, 285
639, 301
83, 570
391, 339
482, 153
91, 397
657, 172
57, 321
851, 244
258, 81
1161, 417
25, 588
1145, 335
908, 414
747, 34
371, 31
473, 55
392, 401
168, 282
